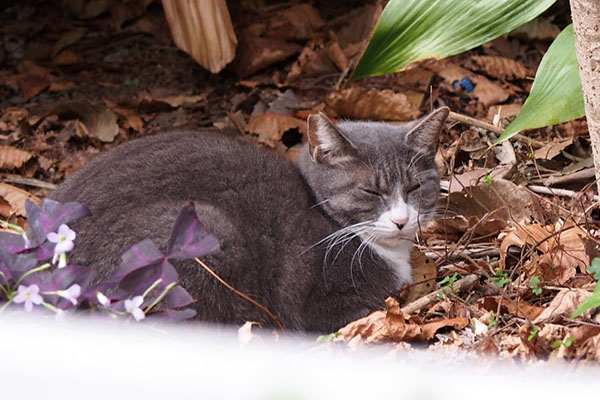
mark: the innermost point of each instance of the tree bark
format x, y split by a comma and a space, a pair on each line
586, 24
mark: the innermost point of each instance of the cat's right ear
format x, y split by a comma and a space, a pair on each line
326, 143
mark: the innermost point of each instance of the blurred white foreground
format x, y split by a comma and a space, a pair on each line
45, 359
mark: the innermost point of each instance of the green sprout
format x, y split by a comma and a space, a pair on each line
132, 81
493, 319
488, 179
533, 333
447, 284
567, 342
535, 286
500, 278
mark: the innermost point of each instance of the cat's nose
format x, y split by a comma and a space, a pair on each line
400, 222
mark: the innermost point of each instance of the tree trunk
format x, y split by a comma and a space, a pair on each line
586, 24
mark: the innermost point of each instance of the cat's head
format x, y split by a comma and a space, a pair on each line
377, 177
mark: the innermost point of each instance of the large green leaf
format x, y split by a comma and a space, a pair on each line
556, 94
413, 30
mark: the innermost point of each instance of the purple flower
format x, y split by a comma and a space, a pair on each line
29, 295
102, 299
64, 243
132, 306
71, 294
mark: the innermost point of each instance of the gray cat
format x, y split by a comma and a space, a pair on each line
319, 244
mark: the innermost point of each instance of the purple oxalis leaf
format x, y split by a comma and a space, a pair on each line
138, 256
189, 239
171, 315
137, 281
12, 242
23, 263
178, 297
63, 278
47, 218
7, 260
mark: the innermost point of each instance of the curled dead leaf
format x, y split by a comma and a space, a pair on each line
270, 127
562, 305
16, 198
11, 157
255, 53
99, 121
394, 324
562, 247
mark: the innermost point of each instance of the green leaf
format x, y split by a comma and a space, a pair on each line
591, 302
413, 30
595, 268
556, 95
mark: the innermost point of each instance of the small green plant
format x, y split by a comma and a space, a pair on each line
567, 342
488, 179
447, 284
535, 286
594, 300
493, 319
329, 337
500, 278
132, 81
533, 333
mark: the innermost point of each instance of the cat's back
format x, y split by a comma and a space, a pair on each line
181, 165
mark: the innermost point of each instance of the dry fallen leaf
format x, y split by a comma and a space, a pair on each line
99, 121
424, 273
245, 334
359, 103
68, 39
270, 127
393, 324
552, 149
255, 53
562, 247
488, 208
562, 305
298, 22
486, 91
318, 59
11, 157
16, 198
11, 118
503, 111
502, 67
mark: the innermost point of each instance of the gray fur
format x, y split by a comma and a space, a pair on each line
271, 218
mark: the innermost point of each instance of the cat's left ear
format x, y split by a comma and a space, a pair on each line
326, 143
426, 132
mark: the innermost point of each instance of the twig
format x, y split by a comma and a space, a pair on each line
424, 301
242, 295
492, 128
29, 182
573, 177
476, 253
557, 192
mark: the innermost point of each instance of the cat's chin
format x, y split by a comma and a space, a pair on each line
393, 240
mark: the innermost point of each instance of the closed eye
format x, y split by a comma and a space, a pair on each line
413, 187
371, 192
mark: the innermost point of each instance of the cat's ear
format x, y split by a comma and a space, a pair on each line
426, 132
326, 143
